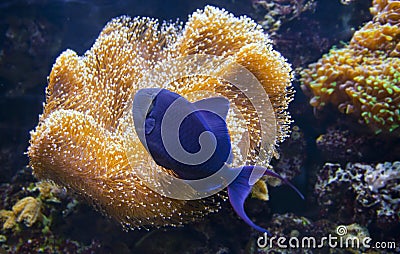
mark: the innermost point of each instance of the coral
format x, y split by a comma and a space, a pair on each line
289, 225
26, 210
361, 193
383, 174
49, 191
8, 218
292, 154
356, 230
295, 17
46, 234
353, 237
41, 244
342, 145
260, 191
386, 11
277, 12
362, 78
81, 139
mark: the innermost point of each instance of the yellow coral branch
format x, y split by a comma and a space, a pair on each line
363, 78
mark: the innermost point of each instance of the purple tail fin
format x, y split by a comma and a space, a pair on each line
240, 188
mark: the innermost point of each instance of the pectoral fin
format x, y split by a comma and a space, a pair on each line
149, 125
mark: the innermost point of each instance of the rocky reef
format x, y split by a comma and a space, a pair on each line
362, 193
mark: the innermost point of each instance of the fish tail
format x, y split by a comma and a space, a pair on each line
240, 188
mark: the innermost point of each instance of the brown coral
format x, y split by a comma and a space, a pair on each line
26, 210
8, 219
82, 136
386, 11
363, 78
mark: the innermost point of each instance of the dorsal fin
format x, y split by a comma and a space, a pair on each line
218, 105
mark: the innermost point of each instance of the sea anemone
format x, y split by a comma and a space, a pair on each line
85, 139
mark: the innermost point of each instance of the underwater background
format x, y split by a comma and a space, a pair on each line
345, 166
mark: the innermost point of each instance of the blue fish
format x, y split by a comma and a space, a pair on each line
192, 139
